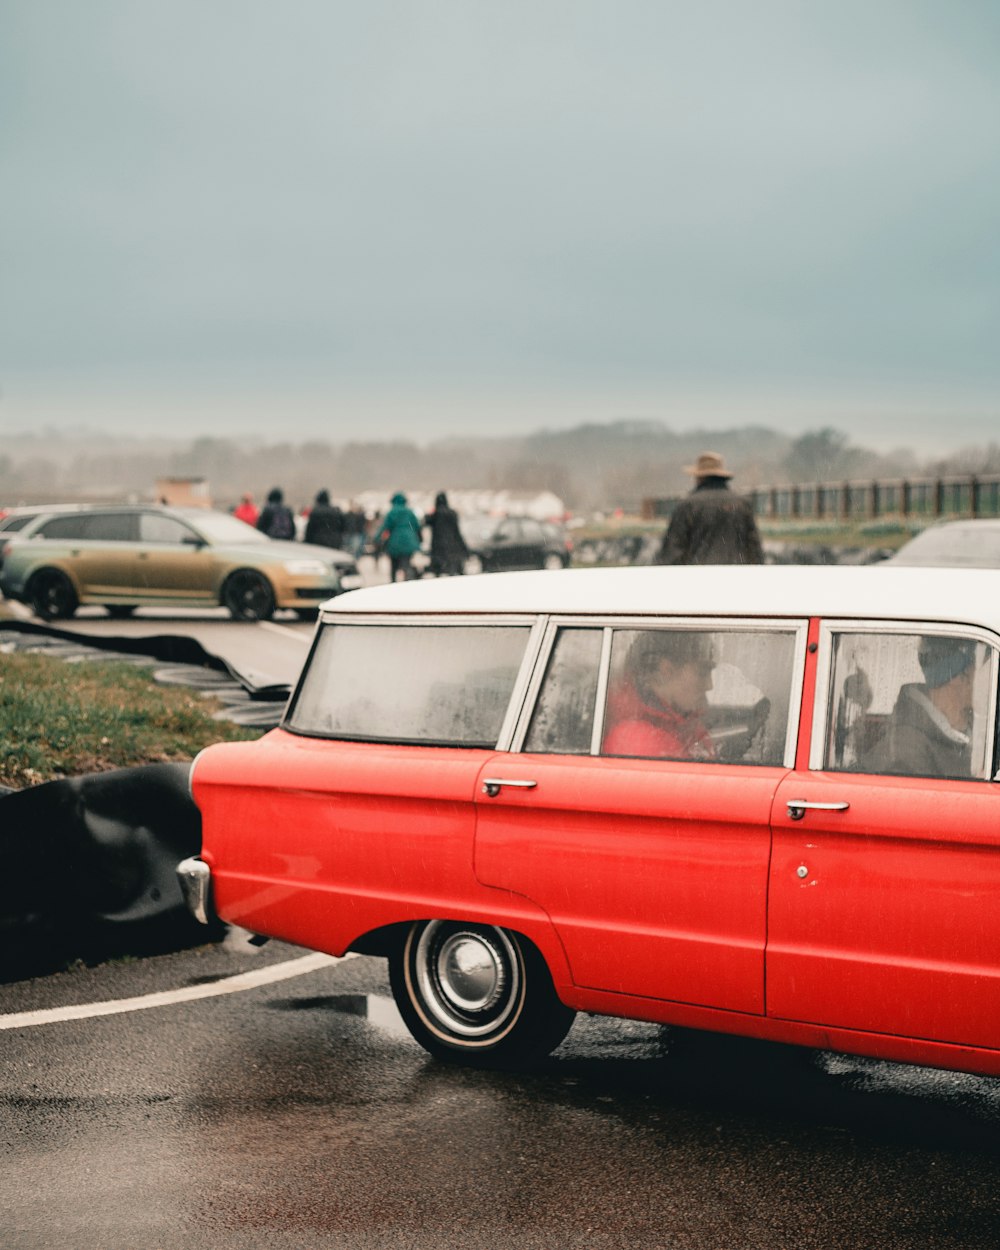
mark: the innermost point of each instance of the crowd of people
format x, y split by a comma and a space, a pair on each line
398, 534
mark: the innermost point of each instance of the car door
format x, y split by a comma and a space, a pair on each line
97, 547
653, 871
173, 561
883, 886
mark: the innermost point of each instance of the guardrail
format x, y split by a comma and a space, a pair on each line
919, 498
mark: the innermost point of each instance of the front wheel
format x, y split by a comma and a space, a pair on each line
476, 995
51, 595
553, 562
248, 596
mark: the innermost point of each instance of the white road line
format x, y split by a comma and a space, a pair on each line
286, 631
167, 998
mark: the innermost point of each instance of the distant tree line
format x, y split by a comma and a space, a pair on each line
590, 467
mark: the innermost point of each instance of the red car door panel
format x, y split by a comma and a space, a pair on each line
654, 873
883, 917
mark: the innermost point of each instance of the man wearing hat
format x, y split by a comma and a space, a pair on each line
929, 731
712, 525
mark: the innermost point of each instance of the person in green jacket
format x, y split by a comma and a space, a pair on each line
399, 537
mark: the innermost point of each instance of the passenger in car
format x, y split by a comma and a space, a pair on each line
658, 709
928, 733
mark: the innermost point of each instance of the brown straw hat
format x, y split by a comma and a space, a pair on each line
708, 464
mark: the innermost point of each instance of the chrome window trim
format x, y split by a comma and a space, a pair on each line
334, 617
798, 626
824, 677
534, 685
552, 627
525, 675
601, 696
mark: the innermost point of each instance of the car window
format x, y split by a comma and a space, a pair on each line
508, 531
11, 524
709, 695
909, 704
531, 531
110, 526
62, 527
432, 684
154, 527
222, 528
562, 722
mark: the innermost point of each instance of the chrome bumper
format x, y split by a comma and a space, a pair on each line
195, 879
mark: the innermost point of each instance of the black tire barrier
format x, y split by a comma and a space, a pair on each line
91, 868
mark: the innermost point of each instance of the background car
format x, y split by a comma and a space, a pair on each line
15, 519
497, 544
128, 557
953, 544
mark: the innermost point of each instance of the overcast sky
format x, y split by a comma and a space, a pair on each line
371, 218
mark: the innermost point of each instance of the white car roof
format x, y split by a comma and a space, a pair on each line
969, 596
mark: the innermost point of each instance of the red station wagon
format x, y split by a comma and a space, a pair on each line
750, 800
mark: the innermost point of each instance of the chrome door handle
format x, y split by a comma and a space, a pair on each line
797, 808
493, 785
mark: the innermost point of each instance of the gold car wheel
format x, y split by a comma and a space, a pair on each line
248, 596
51, 595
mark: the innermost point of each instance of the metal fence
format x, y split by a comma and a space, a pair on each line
915, 498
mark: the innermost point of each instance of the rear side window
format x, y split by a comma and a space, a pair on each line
444, 685
95, 526
110, 526
910, 705
61, 527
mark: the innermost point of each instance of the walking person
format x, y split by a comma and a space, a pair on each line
325, 525
355, 530
712, 525
276, 520
448, 548
399, 537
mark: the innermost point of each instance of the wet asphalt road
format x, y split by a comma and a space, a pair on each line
300, 1114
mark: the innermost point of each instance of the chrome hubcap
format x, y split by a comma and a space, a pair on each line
469, 979
470, 973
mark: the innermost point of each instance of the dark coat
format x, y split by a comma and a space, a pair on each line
325, 525
448, 547
276, 521
712, 526
919, 743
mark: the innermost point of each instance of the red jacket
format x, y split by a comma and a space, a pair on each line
636, 726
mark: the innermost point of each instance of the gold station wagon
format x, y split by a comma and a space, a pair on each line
123, 558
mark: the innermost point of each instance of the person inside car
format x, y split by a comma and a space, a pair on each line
658, 710
929, 731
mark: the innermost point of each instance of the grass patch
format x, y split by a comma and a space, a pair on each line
62, 719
